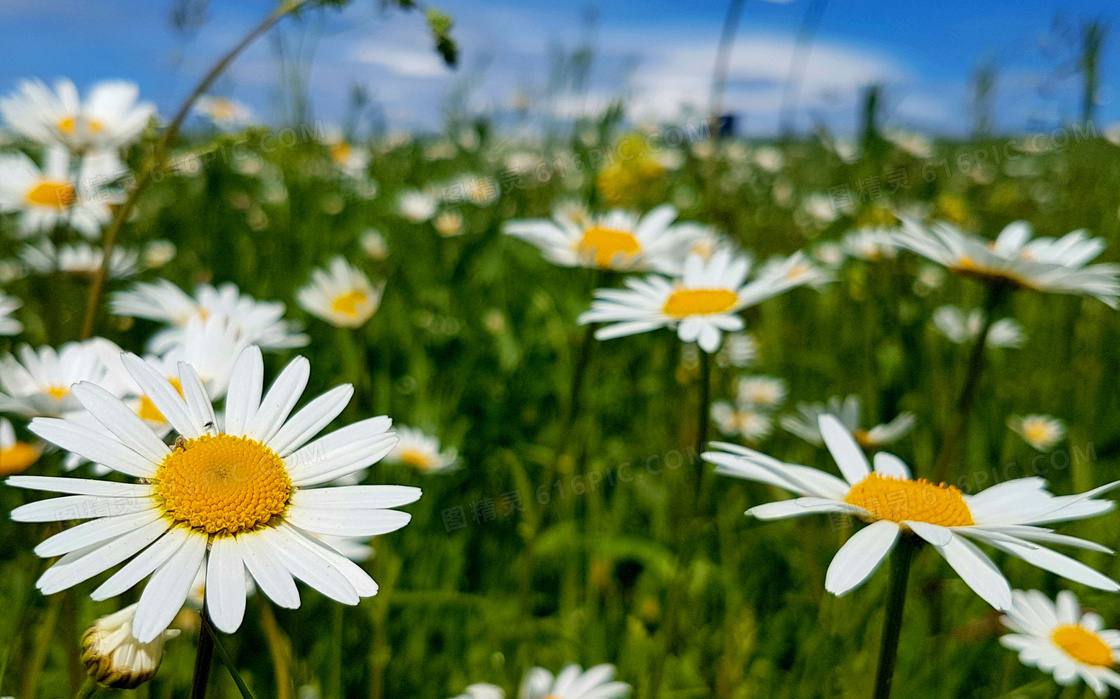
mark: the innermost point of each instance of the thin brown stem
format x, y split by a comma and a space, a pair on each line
279, 651
159, 155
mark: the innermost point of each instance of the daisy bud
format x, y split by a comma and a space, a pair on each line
114, 658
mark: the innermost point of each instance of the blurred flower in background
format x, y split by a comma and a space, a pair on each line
1057, 638
804, 423
962, 327
109, 119
15, 456
422, 452
342, 295
1040, 431
573, 683
8, 324
225, 113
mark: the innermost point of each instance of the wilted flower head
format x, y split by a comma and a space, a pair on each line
114, 658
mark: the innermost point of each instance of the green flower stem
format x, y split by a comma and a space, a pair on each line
203, 658
901, 558
87, 690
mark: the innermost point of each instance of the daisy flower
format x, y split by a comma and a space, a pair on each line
741, 420
422, 452
15, 456
373, 245
114, 658
1057, 638
618, 240
261, 322
482, 691
350, 159
766, 392
961, 327
740, 350
342, 295
79, 259
240, 495
1040, 431
449, 224
870, 244
49, 197
158, 253
573, 683
705, 240
416, 206
1057, 265
225, 113
1007, 516
38, 383
701, 305
804, 424
8, 324
109, 119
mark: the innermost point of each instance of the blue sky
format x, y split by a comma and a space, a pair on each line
658, 54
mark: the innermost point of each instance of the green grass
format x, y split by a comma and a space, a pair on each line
716, 606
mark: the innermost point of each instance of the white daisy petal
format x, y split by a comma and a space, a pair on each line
244, 394
270, 574
978, 572
143, 565
168, 588
80, 486
311, 420
225, 584
164, 396
94, 532
79, 566
93, 446
348, 523
121, 421
360, 580
364, 497
890, 465
279, 401
844, 449
197, 400
311, 569
860, 556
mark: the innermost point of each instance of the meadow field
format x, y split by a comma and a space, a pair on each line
567, 515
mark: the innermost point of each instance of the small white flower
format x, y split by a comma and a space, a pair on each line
449, 224
701, 305
1059, 639
49, 197
15, 456
573, 683
1056, 265
961, 328
38, 384
1011, 516
342, 295
1040, 431
79, 259
830, 254
373, 245
8, 324
109, 119
870, 244
223, 112
742, 420
114, 658
482, 691
916, 144
158, 253
618, 240
261, 323
416, 206
766, 392
422, 452
804, 424
350, 159
740, 350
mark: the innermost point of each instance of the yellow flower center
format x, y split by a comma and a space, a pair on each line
699, 302
863, 437
1037, 432
222, 483
340, 152
16, 458
148, 410
347, 304
1082, 645
605, 244
58, 392
59, 195
69, 126
415, 457
222, 109
896, 500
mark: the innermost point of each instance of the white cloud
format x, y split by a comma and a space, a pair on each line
405, 62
